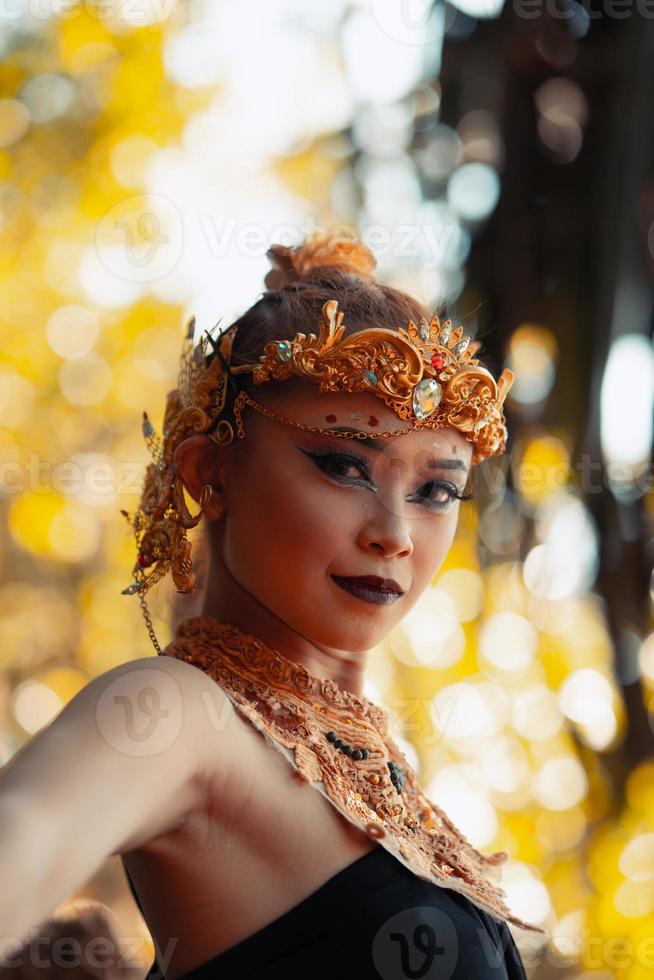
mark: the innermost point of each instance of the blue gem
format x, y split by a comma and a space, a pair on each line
369, 377
131, 589
146, 426
284, 350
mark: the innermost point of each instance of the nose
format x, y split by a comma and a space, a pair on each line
386, 532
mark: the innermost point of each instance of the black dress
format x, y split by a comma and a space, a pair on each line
374, 920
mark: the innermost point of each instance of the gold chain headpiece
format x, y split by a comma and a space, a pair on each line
426, 373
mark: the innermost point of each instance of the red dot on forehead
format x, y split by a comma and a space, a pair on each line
330, 418
373, 420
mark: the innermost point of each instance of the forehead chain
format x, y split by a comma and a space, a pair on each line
244, 399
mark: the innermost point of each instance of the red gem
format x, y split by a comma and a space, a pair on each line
330, 418
438, 361
373, 420
144, 561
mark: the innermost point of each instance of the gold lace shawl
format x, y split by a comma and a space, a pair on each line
294, 710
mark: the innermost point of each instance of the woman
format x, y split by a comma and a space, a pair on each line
329, 469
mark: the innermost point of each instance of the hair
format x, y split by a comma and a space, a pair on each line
296, 305
301, 281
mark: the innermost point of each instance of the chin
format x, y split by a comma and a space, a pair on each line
353, 634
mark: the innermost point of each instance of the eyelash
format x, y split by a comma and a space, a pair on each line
322, 460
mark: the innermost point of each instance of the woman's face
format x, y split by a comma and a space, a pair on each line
307, 513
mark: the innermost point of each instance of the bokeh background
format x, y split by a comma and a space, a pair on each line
499, 161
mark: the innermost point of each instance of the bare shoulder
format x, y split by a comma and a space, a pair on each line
164, 701
185, 722
199, 692
153, 732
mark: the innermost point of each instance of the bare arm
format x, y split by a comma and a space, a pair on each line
126, 760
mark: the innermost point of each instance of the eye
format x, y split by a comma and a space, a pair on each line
344, 467
439, 496
340, 465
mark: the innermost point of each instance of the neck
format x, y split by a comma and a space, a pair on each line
225, 600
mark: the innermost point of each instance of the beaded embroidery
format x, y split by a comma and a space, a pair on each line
366, 777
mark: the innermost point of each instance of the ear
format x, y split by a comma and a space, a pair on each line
198, 461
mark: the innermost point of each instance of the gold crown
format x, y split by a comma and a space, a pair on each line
414, 371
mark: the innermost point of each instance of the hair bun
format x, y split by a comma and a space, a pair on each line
292, 265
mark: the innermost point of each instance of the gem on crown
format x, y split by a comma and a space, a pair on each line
284, 350
426, 397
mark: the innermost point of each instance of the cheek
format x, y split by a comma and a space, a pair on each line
283, 521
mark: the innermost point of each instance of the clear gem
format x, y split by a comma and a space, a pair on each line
284, 350
426, 397
445, 332
369, 377
461, 346
424, 331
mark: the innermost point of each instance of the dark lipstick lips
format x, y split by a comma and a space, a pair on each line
370, 588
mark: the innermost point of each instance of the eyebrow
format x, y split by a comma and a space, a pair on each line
432, 464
